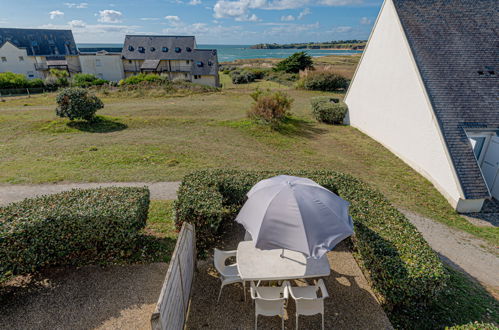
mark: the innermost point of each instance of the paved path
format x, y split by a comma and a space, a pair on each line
15, 193
461, 250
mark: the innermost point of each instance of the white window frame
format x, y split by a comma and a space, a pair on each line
482, 134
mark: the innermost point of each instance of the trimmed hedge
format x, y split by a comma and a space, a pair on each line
70, 228
328, 110
404, 270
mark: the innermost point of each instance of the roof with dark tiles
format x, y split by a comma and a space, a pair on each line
455, 44
205, 62
145, 47
40, 42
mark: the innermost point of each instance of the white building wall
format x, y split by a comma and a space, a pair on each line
14, 64
205, 80
387, 101
108, 67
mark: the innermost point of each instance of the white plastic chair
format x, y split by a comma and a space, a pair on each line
228, 274
269, 301
307, 301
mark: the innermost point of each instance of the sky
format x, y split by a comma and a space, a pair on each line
239, 22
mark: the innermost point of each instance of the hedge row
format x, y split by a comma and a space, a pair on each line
403, 268
70, 228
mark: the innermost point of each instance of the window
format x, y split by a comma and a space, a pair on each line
130, 48
210, 63
199, 64
177, 50
187, 62
21, 59
4, 59
164, 49
141, 49
97, 62
31, 74
129, 61
197, 77
477, 144
152, 49
189, 49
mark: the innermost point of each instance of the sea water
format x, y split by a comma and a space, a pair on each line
228, 53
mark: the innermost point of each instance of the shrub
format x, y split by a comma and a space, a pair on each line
70, 228
403, 268
328, 110
36, 83
295, 63
323, 81
142, 77
474, 326
76, 103
61, 77
242, 77
13, 80
87, 80
270, 107
282, 77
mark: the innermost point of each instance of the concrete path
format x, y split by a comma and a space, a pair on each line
15, 193
461, 250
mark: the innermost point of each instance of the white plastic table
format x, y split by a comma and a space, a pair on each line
268, 265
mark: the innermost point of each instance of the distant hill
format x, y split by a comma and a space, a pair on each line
339, 44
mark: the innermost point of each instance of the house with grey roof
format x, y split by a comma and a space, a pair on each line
174, 56
427, 88
33, 52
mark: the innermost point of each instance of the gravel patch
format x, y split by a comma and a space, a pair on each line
352, 304
461, 250
15, 193
92, 297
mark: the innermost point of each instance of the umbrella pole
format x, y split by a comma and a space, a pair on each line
282, 253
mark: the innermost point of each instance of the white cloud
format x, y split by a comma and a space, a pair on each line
341, 29
237, 9
149, 19
340, 2
56, 13
77, 24
247, 18
304, 13
80, 5
365, 21
195, 2
110, 16
288, 18
172, 19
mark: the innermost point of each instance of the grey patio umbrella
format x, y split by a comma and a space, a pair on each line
288, 212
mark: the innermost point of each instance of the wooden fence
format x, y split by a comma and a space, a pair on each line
173, 303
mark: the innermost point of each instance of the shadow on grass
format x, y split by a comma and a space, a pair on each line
98, 125
292, 126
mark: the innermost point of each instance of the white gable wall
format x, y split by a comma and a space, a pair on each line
13, 64
105, 66
388, 102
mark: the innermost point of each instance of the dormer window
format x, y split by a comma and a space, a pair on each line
130, 48
210, 63
189, 49
164, 49
199, 64
152, 49
141, 50
177, 50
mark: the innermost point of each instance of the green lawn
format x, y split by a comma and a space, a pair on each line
163, 138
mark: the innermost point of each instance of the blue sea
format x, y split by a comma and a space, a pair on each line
233, 52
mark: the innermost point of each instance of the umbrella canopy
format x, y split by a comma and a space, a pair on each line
287, 212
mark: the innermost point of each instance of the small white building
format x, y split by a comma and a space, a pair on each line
102, 64
427, 88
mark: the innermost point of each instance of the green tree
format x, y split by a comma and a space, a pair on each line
76, 103
295, 63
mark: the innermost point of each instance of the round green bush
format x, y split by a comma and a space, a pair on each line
328, 110
76, 103
324, 81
